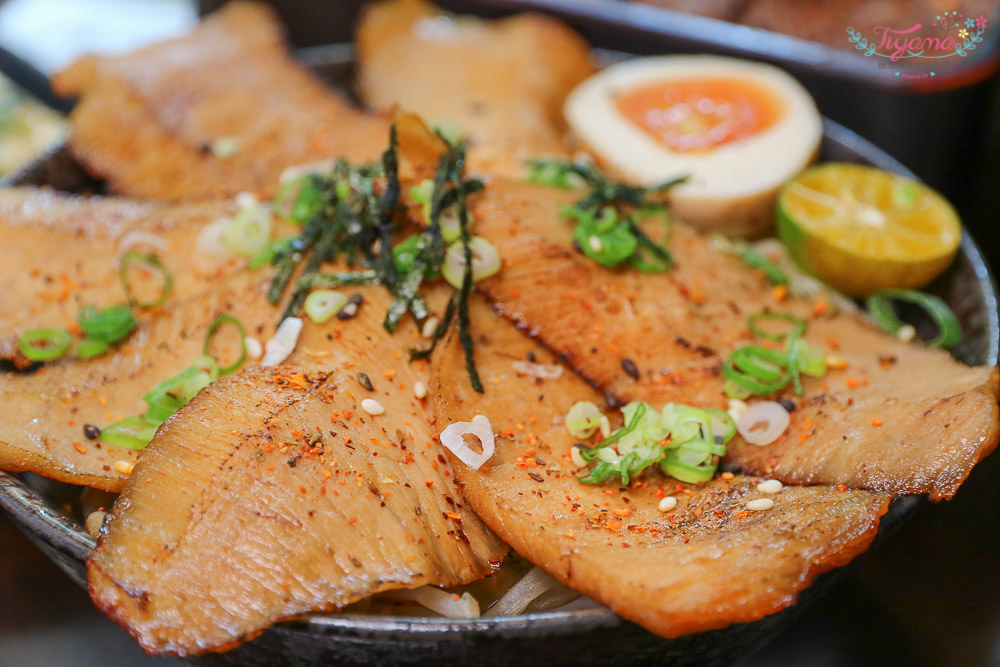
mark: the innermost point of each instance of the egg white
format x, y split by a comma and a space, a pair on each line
732, 187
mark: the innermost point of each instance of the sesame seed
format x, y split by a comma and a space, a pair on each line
770, 486
124, 467
430, 324
760, 505
419, 389
577, 458
595, 244
906, 333
254, 349
835, 362
667, 504
246, 199
372, 407
605, 426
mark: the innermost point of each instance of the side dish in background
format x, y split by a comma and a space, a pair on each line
738, 130
506, 79
825, 21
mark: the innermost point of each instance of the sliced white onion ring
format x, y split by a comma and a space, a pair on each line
763, 423
451, 437
439, 601
545, 371
285, 338
521, 594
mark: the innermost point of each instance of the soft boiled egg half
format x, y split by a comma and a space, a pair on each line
738, 129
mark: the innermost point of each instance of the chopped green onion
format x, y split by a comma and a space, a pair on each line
485, 261
108, 325
131, 433
219, 322
772, 272
602, 237
798, 325
322, 304
757, 369
267, 254
685, 441
692, 474
89, 348
880, 307
583, 419
149, 260
169, 396
448, 216
555, 174
249, 231
808, 359
300, 199
44, 344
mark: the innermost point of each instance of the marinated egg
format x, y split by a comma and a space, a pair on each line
738, 129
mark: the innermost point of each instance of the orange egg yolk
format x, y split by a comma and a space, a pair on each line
699, 114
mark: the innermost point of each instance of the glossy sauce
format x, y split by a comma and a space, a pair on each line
699, 114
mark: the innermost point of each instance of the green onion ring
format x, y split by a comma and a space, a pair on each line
758, 369
108, 325
54, 343
798, 323
219, 321
879, 305
130, 433
772, 272
686, 473
91, 347
152, 260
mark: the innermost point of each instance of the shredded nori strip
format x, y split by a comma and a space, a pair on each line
463, 300
439, 331
358, 224
605, 193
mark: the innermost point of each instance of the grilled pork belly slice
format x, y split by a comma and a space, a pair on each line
46, 410
500, 83
705, 564
274, 493
662, 337
61, 252
218, 111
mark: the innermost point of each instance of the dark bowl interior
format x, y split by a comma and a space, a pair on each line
585, 636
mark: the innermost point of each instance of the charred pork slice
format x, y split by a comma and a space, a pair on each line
274, 493
500, 83
900, 417
61, 252
221, 110
707, 563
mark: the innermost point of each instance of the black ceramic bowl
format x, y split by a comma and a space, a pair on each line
586, 636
